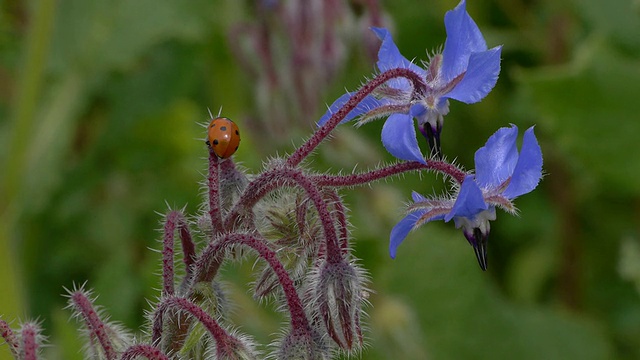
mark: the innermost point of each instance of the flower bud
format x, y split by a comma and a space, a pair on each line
338, 296
301, 344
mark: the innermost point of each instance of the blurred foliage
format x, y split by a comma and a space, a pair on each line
99, 109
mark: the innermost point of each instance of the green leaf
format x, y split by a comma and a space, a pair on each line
620, 20
589, 110
463, 316
95, 35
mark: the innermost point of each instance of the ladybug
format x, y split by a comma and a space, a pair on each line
223, 137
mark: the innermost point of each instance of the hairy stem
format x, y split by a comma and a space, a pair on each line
29, 343
211, 259
214, 193
256, 190
148, 351
340, 214
188, 247
392, 170
9, 338
167, 254
303, 151
175, 219
287, 177
224, 342
96, 327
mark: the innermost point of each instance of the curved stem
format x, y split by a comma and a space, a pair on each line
303, 151
214, 193
256, 190
223, 340
29, 343
340, 213
95, 325
211, 260
331, 238
9, 338
148, 351
382, 111
175, 219
392, 170
284, 177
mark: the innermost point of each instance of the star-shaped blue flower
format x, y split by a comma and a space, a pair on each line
465, 71
502, 174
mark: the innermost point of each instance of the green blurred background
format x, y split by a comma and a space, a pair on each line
99, 109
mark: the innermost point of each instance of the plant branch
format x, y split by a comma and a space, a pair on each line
211, 259
392, 170
303, 151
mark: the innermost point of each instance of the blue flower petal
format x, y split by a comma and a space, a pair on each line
497, 159
528, 171
470, 201
368, 103
481, 76
417, 197
389, 57
401, 230
417, 110
463, 38
399, 138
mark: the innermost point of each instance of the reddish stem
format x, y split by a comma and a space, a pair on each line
364, 178
225, 343
188, 246
10, 338
167, 254
96, 327
289, 176
340, 213
29, 343
255, 190
331, 238
214, 193
303, 151
211, 259
227, 166
148, 351
175, 219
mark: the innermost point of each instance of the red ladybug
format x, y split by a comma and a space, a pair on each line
223, 137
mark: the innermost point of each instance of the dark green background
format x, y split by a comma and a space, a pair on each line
99, 109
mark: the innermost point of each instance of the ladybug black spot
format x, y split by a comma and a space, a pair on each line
215, 142
223, 128
237, 132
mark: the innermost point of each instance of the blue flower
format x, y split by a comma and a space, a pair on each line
502, 174
465, 71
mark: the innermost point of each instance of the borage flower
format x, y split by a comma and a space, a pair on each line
502, 174
465, 71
